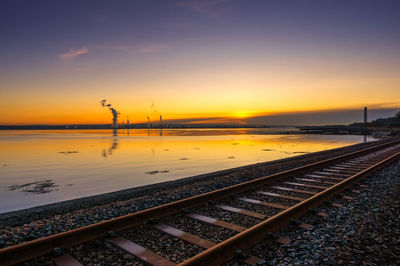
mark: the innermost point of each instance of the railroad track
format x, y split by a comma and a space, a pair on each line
213, 227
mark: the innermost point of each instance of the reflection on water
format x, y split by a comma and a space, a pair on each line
114, 144
53, 165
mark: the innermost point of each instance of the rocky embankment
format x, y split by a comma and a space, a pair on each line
365, 231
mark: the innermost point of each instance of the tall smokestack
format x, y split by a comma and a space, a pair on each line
114, 112
365, 115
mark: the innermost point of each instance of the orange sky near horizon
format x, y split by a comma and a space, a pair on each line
75, 98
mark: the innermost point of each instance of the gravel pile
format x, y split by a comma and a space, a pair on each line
27, 225
365, 231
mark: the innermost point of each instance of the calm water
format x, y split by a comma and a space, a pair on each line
40, 167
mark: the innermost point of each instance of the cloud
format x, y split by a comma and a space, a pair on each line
304, 118
386, 105
74, 53
124, 49
145, 49
207, 120
322, 117
132, 50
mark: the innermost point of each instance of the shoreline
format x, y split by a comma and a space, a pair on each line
358, 130
18, 217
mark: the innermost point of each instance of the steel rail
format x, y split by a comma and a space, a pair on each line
42, 246
225, 250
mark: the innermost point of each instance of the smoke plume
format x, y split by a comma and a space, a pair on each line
114, 112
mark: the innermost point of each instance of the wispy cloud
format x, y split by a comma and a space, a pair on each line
207, 120
124, 49
145, 49
74, 53
294, 118
321, 117
384, 105
132, 50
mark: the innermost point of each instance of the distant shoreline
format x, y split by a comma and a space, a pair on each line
315, 130
135, 126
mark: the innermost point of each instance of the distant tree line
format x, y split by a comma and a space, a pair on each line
387, 122
383, 122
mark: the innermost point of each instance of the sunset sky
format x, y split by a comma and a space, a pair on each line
274, 62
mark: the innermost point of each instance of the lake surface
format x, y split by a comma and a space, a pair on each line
45, 166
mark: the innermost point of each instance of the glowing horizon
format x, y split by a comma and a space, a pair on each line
216, 118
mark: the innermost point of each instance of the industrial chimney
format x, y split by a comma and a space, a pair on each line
114, 112
365, 115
